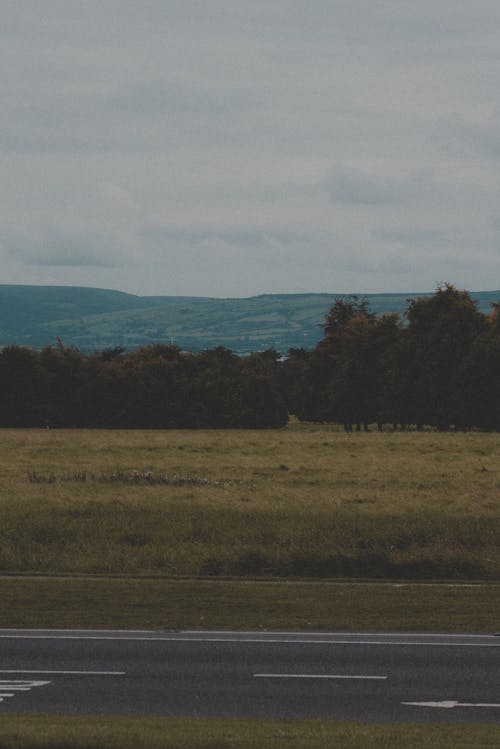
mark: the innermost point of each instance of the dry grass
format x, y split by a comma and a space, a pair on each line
56, 732
305, 500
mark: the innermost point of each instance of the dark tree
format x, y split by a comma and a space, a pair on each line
296, 382
349, 367
22, 388
441, 331
479, 377
63, 375
343, 310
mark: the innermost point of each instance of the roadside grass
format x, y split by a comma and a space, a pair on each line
57, 732
142, 603
304, 501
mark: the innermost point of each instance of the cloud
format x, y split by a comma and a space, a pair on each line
349, 185
243, 145
416, 235
54, 246
470, 134
96, 229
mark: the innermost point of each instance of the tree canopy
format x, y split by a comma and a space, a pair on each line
440, 367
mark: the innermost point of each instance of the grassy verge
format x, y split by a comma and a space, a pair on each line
185, 604
55, 732
304, 501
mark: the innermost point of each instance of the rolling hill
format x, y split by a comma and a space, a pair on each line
94, 319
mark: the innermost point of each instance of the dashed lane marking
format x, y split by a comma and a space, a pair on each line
450, 704
316, 676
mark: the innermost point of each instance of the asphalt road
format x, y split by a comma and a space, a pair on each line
361, 677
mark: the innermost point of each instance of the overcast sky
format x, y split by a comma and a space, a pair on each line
238, 147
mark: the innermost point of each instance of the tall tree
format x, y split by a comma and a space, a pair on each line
22, 388
342, 311
348, 365
479, 378
63, 375
441, 331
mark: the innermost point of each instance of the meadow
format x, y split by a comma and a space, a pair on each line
303, 528
300, 502
58, 732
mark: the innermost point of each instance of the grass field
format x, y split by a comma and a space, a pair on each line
113, 522
305, 501
56, 732
132, 603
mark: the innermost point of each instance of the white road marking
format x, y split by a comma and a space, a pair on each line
21, 683
63, 673
447, 704
256, 640
12, 687
315, 676
291, 633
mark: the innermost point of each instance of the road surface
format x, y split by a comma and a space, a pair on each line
361, 677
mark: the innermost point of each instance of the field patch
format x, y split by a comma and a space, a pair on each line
44, 732
146, 603
300, 502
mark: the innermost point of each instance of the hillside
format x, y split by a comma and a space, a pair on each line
99, 318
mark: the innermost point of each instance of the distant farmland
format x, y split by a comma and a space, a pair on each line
93, 319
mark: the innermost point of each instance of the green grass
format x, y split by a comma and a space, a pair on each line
215, 604
303, 501
56, 732
298, 502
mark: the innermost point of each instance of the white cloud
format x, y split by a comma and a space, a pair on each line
349, 185
474, 136
241, 146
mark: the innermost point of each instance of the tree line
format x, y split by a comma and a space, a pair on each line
154, 387
439, 367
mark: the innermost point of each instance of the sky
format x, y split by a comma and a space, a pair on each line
230, 148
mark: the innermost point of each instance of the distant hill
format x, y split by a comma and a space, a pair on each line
93, 319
